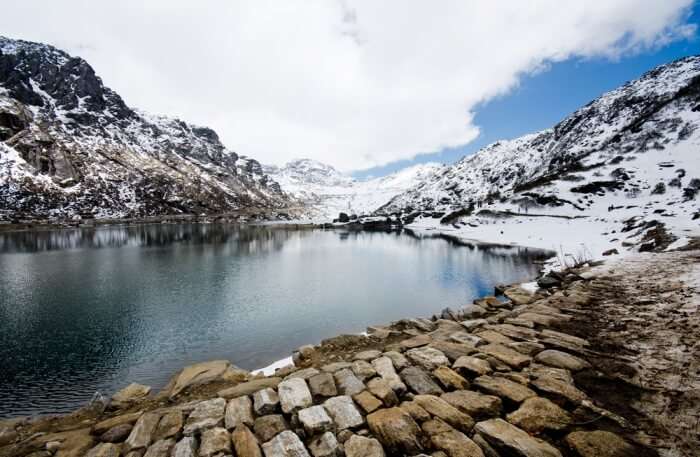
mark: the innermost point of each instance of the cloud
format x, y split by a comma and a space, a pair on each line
351, 83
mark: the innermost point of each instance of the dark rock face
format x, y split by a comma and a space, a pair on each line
71, 148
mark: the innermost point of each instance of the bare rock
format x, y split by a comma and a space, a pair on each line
420, 382
160, 448
304, 374
245, 443
367, 355
416, 411
286, 444
506, 355
214, 441
315, 420
385, 368
186, 447
427, 358
265, 401
323, 386
197, 374
133, 393
519, 296
396, 430
250, 387
294, 395
599, 443
169, 425
456, 444
440, 408
343, 412
116, 434
368, 402
239, 411
450, 379
558, 391
381, 389
472, 366
510, 440
104, 450
207, 414
325, 445
475, 404
453, 351
397, 359
363, 370
267, 427
347, 382
142, 433
504, 388
538, 414
335, 366
107, 424
360, 446
559, 359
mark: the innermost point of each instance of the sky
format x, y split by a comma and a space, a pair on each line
365, 86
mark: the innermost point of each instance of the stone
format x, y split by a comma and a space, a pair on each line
558, 391
435, 426
116, 434
440, 408
504, 388
456, 444
142, 433
599, 443
169, 425
508, 439
239, 411
347, 382
325, 445
506, 355
343, 412
160, 448
472, 366
420, 382
544, 319
472, 312
294, 395
107, 424
249, 387
104, 450
565, 337
466, 338
214, 441
396, 430
473, 324
416, 411
363, 370
475, 404
207, 414
485, 446
267, 427
367, 401
545, 371
129, 395
453, 351
397, 359
360, 446
186, 447
315, 420
519, 322
335, 366
304, 374
385, 368
450, 379
265, 401
344, 435
526, 347
537, 414
381, 389
559, 359
518, 296
286, 444
427, 358
367, 355
245, 443
306, 351
323, 386
197, 374
517, 332
416, 341
492, 336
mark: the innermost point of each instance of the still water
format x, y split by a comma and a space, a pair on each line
90, 310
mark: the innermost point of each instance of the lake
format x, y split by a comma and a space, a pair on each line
88, 310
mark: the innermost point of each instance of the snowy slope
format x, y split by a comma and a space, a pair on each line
629, 160
327, 192
71, 148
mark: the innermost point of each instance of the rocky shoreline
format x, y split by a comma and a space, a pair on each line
598, 362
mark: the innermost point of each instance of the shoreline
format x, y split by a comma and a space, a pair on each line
511, 337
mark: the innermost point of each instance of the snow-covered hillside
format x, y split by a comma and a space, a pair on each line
608, 176
327, 192
70, 147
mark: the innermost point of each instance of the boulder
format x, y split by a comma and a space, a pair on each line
558, 391
504, 388
427, 358
537, 414
267, 427
518, 296
363, 370
186, 447
360, 446
249, 387
347, 382
508, 439
207, 414
367, 355
116, 434
385, 368
506, 355
129, 395
381, 389
475, 404
456, 444
415, 342
245, 443
440, 408
599, 443
315, 420
239, 411
160, 448
104, 450
323, 386
466, 339
368, 402
396, 430
559, 359
397, 359
526, 347
343, 412
453, 351
286, 444
420, 382
265, 401
472, 312
472, 366
142, 433
493, 336
199, 373
416, 411
294, 395
214, 441
169, 425
325, 445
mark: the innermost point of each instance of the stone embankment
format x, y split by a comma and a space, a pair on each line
517, 376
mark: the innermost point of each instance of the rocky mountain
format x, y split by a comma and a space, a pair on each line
70, 147
326, 191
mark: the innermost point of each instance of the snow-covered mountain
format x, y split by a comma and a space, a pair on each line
630, 158
327, 192
71, 147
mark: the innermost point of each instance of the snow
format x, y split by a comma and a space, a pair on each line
274, 366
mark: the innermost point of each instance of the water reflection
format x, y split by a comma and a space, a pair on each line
86, 310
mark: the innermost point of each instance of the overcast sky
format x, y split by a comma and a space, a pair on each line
356, 84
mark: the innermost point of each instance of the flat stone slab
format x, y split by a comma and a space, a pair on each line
420, 382
142, 433
347, 382
239, 411
599, 443
107, 424
452, 350
360, 446
504, 388
343, 412
560, 359
537, 414
249, 387
559, 391
305, 373
396, 430
506, 355
286, 444
294, 395
199, 373
427, 358
315, 420
367, 355
442, 409
472, 366
510, 440
160, 448
475, 404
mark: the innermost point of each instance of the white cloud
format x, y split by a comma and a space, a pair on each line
351, 83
